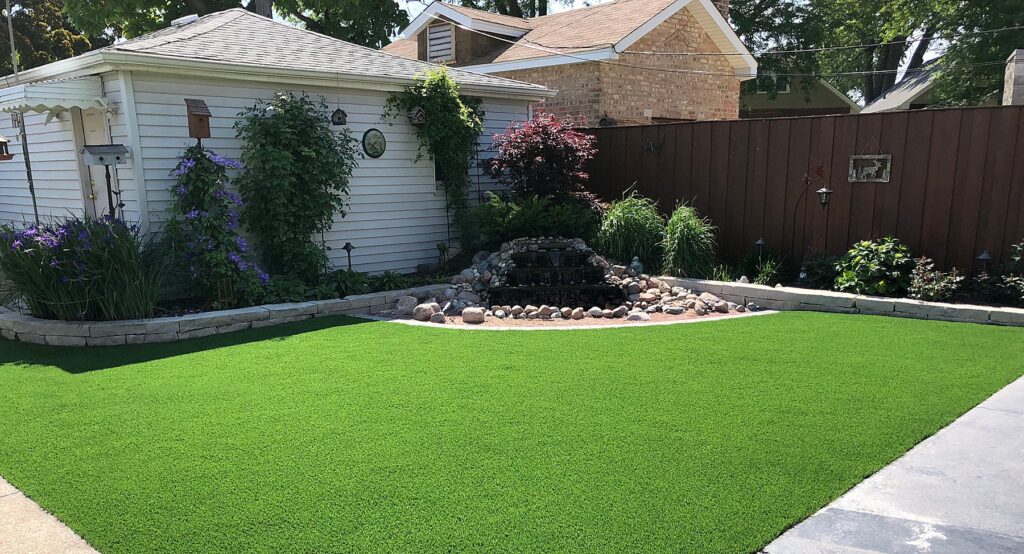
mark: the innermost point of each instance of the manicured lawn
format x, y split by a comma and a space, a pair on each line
338, 435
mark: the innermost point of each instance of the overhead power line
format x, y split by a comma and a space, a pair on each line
693, 71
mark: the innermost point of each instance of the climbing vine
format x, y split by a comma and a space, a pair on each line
448, 134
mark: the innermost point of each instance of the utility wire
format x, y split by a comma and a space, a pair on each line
696, 71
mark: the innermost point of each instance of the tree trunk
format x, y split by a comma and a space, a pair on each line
917, 59
261, 7
198, 6
542, 7
870, 94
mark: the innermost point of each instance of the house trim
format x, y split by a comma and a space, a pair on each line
744, 63
138, 160
545, 61
102, 61
438, 9
854, 107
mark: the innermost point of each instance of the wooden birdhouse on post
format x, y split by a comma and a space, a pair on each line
5, 152
198, 119
417, 115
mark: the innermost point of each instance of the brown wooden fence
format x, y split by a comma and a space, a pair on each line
956, 186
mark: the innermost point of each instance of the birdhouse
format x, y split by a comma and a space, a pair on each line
5, 152
105, 154
339, 117
417, 115
198, 118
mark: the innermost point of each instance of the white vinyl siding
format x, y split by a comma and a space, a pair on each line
54, 169
440, 43
395, 217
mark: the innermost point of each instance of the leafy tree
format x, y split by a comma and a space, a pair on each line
366, 22
515, 8
43, 34
902, 32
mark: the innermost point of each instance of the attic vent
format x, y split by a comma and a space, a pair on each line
185, 20
440, 43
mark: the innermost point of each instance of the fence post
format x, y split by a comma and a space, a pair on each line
1013, 89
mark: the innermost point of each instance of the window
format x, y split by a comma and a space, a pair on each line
440, 43
767, 83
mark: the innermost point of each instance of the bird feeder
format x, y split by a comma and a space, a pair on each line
417, 115
198, 118
339, 117
5, 152
107, 155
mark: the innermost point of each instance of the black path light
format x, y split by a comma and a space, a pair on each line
985, 258
348, 248
760, 244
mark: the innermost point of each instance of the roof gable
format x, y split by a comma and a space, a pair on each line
596, 32
238, 36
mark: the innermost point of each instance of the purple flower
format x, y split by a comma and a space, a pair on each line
16, 245
183, 167
54, 262
193, 214
243, 245
264, 278
222, 161
239, 262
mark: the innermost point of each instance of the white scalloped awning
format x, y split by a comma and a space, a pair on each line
54, 97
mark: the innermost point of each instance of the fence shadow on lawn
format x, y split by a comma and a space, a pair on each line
77, 360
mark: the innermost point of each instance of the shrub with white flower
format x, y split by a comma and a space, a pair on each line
205, 232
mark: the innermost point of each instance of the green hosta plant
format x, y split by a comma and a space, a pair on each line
928, 283
880, 267
689, 244
632, 227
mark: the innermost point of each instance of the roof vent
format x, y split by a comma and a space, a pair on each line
182, 21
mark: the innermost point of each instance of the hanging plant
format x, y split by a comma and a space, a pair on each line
447, 125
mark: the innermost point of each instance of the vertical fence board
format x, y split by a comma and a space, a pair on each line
968, 188
956, 181
887, 195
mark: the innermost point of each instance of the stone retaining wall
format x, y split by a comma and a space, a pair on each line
20, 327
788, 298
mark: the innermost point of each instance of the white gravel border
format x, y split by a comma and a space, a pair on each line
632, 325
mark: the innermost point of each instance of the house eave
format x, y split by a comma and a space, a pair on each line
545, 61
112, 60
438, 10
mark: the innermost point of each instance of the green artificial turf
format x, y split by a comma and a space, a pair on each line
341, 435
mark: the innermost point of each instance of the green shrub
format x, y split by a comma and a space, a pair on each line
928, 283
689, 244
633, 228
819, 272
389, 280
295, 180
724, 273
500, 220
768, 271
881, 267
82, 269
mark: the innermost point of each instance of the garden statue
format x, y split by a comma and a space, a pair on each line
636, 266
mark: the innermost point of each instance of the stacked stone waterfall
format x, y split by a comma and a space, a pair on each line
551, 278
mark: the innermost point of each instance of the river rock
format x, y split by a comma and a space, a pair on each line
621, 311
722, 307
424, 311
437, 318
566, 312
546, 310
638, 316
607, 314
649, 297
517, 310
596, 312
473, 315
406, 306
578, 314
674, 310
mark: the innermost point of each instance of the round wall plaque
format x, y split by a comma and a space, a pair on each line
374, 143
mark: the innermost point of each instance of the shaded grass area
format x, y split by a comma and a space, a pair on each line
334, 435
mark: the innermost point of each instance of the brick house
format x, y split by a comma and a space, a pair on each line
621, 62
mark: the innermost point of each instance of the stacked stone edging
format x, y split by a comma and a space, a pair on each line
789, 298
25, 328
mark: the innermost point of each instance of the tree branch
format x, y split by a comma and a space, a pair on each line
917, 59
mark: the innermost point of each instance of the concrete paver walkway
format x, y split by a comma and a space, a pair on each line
25, 528
961, 490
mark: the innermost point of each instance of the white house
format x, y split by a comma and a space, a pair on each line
133, 93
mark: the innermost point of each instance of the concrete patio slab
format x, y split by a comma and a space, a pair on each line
961, 490
25, 528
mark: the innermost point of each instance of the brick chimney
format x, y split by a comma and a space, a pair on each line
1013, 88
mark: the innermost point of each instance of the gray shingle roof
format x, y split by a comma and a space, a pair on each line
910, 88
237, 36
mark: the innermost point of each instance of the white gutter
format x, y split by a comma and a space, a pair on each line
101, 61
